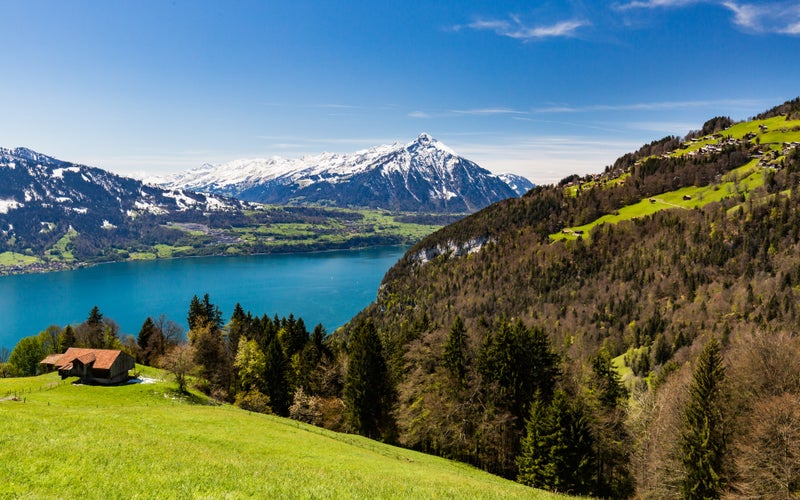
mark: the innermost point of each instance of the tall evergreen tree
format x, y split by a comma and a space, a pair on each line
520, 361
237, 328
703, 440
146, 333
204, 313
455, 356
94, 329
366, 391
67, 338
276, 377
607, 400
558, 450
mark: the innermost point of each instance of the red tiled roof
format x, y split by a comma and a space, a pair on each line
103, 358
51, 359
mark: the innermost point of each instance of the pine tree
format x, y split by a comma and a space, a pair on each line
67, 338
204, 313
607, 399
558, 450
146, 333
94, 329
366, 390
455, 357
276, 377
236, 328
520, 361
703, 440
534, 461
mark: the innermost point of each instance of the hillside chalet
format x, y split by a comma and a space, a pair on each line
93, 366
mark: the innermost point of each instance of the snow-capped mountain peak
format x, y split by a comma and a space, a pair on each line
422, 175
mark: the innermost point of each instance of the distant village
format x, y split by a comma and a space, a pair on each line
722, 142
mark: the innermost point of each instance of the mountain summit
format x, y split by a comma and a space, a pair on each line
423, 175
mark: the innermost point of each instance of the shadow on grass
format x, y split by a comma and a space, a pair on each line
190, 397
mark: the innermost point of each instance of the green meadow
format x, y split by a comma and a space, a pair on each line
738, 182
17, 259
144, 440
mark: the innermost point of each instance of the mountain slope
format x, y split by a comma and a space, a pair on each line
424, 175
677, 242
42, 195
195, 450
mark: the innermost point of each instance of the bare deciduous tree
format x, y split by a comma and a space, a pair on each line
180, 362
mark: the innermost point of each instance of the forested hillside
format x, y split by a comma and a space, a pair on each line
554, 338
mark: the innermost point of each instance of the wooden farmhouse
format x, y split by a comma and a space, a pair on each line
93, 366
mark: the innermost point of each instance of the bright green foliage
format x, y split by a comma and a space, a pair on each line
366, 390
557, 451
26, 355
49, 338
454, 357
704, 438
250, 364
236, 328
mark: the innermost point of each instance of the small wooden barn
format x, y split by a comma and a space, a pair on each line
93, 366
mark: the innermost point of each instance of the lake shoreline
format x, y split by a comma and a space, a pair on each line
58, 266
327, 287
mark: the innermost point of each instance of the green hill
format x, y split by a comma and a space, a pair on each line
142, 440
634, 268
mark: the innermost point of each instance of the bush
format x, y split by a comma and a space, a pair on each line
253, 401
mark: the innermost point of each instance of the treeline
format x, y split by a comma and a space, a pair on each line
156, 338
790, 109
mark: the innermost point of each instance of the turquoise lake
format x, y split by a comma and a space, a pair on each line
327, 287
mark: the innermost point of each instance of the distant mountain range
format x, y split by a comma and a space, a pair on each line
421, 176
42, 198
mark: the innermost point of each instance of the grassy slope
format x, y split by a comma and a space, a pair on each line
738, 181
140, 441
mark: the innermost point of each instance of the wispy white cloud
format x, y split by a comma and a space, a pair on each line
654, 106
467, 112
776, 17
652, 4
489, 111
519, 30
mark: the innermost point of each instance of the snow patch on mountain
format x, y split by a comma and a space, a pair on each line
422, 175
6, 205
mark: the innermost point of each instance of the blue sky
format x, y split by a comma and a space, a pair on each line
543, 89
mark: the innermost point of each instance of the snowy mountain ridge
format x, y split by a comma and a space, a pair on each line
422, 175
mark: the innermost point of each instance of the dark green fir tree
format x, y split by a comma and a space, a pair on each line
703, 440
366, 390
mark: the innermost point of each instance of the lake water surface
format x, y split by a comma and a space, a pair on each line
328, 288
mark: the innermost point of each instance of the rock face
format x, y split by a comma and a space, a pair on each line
421, 176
